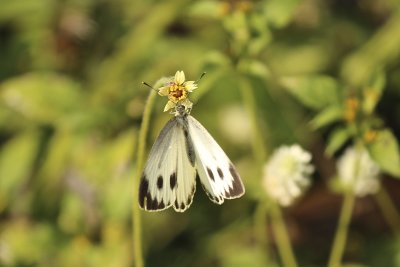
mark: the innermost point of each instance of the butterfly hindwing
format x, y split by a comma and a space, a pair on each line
217, 174
169, 175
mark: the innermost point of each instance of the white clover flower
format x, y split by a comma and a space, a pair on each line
177, 89
287, 174
358, 172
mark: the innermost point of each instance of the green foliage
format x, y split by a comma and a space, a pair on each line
337, 139
373, 91
43, 98
21, 149
384, 150
327, 116
316, 91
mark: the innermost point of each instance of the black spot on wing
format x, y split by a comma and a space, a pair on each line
150, 203
172, 181
220, 173
145, 200
153, 204
160, 182
210, 173
212, 197
237, 188
143, 190
161, 205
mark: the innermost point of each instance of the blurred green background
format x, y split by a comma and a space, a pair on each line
71, 105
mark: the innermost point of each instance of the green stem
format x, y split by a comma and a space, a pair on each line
340, 239
282, 237
250, 103
342, 230
389, 210
259, 150
260, 227
136, 215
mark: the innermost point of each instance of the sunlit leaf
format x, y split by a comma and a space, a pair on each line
25, 242
72, 214
377, 81
280, 12
327, 116
17, 157
245, 256
100, 162
211, 9
384, 150
42, 97
373, 91
117, 198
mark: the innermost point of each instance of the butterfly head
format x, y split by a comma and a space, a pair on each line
181, 110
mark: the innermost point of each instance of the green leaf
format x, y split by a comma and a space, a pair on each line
207, 9
254, 67
377, 80
279, 12
327, 116
216, 58
30, 242
16, 160
373, 91
314, 91
336, 140
72, 213
384, 150
42, 97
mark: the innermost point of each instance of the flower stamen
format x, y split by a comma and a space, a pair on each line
177, 91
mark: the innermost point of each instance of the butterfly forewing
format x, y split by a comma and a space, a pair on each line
169, 175
217, 174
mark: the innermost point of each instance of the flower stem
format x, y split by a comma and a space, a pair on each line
342, 230
250, 103
260, 154
136, 215
282, 237
389, 210
260, 227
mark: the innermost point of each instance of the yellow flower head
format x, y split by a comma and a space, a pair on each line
177, 90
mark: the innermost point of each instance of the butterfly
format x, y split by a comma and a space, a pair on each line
183, 152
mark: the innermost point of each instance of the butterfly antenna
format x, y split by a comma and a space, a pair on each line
201, 76
148, 85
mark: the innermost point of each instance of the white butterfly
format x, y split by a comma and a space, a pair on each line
183, 151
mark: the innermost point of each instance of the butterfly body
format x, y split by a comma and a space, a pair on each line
183, 152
